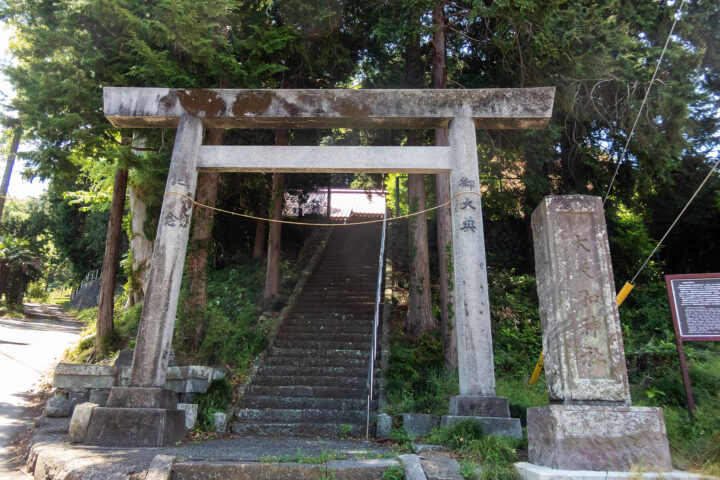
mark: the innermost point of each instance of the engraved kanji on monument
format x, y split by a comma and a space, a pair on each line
582, 341
590, 424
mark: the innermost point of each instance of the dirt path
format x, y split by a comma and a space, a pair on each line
29, 349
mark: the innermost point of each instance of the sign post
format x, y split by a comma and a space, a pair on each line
695, 307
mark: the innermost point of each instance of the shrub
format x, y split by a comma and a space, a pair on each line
216, 399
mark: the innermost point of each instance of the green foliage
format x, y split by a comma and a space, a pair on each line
233, 336
417, 380
403, 439
126, 323
522, 396
395, 472
216, 399
517, 332
19, 266
496, 455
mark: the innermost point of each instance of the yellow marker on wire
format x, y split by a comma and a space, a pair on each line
624, 292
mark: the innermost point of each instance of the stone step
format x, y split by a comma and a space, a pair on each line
316, 361
327, 403
356, 381
305, 391
322, 323
324, 335
289, 415
349, 317
300, 429
313, 329
338, 310
328, 371
298, 344
253, 470
336, 353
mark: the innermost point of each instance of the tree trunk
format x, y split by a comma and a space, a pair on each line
272, 278
110, 260
8, 168
140, 246
442, 192
420, 318
201, 241
259, 248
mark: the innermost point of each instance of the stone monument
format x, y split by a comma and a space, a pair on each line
590, 423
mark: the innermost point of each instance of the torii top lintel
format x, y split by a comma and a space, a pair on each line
133, 107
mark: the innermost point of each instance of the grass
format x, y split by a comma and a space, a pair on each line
495, 455
300, 457
11, 311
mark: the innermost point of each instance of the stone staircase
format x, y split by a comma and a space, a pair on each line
313, 380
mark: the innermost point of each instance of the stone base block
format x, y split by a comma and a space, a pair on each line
478, 406
135, 427
142, 397
584, 437
419, 424
493, 426
528, 471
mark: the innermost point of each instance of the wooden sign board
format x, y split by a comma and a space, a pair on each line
695, 305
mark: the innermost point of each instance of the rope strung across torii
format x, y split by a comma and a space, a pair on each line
290, 222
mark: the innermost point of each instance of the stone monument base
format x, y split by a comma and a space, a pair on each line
137, 417
493, 413
528, 471
598, 438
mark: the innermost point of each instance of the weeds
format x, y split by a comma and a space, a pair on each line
395, 472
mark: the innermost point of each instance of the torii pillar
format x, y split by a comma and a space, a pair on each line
145, 413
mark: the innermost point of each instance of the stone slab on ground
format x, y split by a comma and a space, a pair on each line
529, 471
440, 466
413, 467
584, 437
419, 424
56, 459
426, 447
161, 468
493, 426
80, 421
337, 469
138, 427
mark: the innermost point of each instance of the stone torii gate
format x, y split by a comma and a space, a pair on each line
144, 413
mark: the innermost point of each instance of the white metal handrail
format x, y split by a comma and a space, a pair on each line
376, 323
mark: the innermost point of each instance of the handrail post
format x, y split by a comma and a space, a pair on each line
376, 322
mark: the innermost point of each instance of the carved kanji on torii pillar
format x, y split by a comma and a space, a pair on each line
144, 413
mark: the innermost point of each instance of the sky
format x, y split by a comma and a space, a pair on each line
19, 188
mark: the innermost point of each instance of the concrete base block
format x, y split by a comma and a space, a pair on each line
478, 406
419, 424
598, 438
142, 397
528, 471
493, 426
135, 427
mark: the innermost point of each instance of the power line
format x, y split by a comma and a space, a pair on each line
647, 93
707, 177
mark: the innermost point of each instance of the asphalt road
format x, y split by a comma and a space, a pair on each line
29, 348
